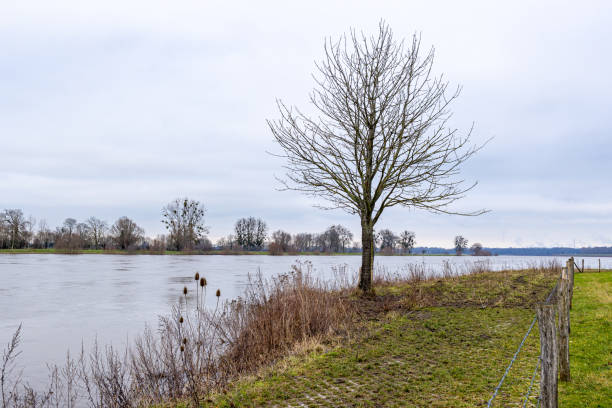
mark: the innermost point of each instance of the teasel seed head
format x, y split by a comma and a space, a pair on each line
218, 293
182, 349
202, 282
185, 291
181, 320
197, 276
184, 340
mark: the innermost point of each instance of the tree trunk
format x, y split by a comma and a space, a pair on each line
367, 258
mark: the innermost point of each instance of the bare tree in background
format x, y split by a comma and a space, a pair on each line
281, 240
407, 241
97, 231
16, 227
83, 235
345, 236
251, 233
126, 233
44, 237
460, 244
388, 240
476, 249
380, 138
184, 220
69, 225
303, 241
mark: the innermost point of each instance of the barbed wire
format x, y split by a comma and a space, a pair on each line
548, 299
553, 291
535, 371
511, 362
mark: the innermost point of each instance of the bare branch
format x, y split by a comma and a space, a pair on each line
381, 137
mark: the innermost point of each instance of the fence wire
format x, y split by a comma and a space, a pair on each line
548, 299
511, 362
535, 371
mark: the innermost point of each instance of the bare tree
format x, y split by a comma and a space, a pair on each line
44, 236
97, 231
329, 241
460, 244
478, 250
345, 236
381, 137
66, 236
126, 233
302, 241
228, 242
16, 227
388, 240
69, 225
83, 235
251, 233
407, 241
184, 220
282, 240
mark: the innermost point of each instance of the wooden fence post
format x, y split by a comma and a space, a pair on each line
549, 367
582, 264
563, 311
570, 270
599, 268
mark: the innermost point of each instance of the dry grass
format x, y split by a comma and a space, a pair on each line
196, 352
274, 316
420, 340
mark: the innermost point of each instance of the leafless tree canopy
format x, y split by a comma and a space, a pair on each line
460, 244
251, 233
14, 228
184, 220
380, 137
126, 233
407, 240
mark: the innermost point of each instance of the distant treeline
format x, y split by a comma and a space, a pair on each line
542, 251
186, 231
184, 221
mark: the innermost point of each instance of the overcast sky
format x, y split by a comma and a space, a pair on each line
114, 108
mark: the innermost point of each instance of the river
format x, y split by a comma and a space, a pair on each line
65, 300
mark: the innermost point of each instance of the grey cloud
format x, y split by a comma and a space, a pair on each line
115, 108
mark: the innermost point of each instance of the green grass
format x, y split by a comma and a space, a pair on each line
590, 343
435, 357
450, 354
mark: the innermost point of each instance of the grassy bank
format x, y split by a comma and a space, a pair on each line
443, 343
590, 343
296, 341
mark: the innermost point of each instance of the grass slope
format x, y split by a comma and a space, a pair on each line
590, 343
444, 343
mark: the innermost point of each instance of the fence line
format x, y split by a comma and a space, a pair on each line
535, 371
511, 362
554, 355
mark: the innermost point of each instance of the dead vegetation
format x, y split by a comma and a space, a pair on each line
196, 351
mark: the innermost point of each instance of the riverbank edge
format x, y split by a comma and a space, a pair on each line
371, 359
